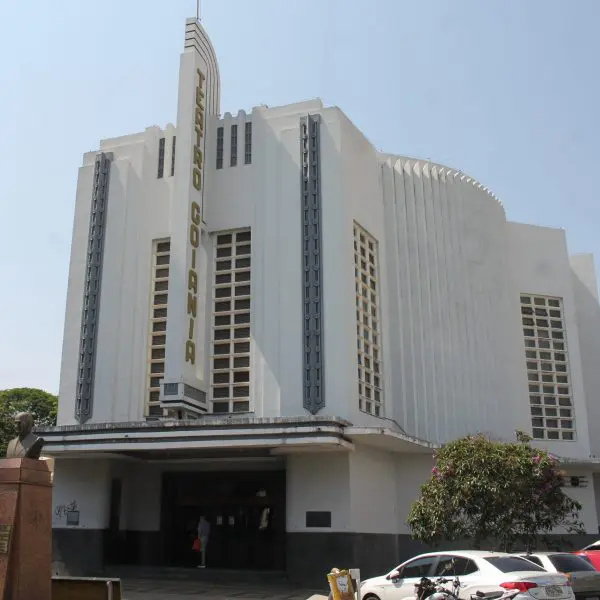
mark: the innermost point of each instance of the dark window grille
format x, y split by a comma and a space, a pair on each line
161, 158
173, 157
220, 148
234, 142
248, 143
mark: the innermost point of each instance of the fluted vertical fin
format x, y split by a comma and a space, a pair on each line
412, 252
452, 284
422, 308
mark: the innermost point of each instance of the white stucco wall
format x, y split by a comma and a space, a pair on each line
72, 327
318, 482
85, 483
265, 196
595, 482
367, 490
539, 264
137, 214
585, 292
451, 271
450, 330
411, 473
373, 491
587, 497
351, 192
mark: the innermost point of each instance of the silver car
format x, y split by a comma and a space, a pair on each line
585, 579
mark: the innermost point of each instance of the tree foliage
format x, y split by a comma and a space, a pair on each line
487, 490
42, 405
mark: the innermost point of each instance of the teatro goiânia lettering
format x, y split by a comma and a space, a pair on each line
195, 217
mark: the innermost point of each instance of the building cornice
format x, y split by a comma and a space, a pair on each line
277, 436
209, 434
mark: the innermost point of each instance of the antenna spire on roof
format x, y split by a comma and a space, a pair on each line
198, 10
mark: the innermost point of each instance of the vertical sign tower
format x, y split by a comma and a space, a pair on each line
184, 387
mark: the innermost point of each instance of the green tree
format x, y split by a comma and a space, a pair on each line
486, 490
42, 405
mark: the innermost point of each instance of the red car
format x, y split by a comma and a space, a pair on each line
592, 553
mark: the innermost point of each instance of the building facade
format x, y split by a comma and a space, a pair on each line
272, 324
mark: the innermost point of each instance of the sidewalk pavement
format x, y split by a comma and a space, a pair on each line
145, 589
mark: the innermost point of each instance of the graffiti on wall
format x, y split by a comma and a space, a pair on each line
63, 511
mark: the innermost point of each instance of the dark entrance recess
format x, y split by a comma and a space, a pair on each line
114, 538
246, 512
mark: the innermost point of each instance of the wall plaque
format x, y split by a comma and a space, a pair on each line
73, 518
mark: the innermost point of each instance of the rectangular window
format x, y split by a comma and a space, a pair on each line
161, 158
173, 156
248, 143
159, 286
219, 148
230, 360
548, 373
318, 519
368, 325
233, 157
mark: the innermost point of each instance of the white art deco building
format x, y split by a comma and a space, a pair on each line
272, 324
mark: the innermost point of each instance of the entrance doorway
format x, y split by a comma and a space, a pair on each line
246, 512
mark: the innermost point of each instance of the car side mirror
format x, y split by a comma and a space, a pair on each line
393, 575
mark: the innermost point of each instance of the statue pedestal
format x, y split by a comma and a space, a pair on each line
25, 530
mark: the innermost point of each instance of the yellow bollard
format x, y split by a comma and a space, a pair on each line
340, 584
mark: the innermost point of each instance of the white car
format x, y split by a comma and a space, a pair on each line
476, 570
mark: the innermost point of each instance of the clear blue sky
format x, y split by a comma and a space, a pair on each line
506, 90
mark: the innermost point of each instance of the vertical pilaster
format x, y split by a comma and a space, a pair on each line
186, 384
312, 264
91, 294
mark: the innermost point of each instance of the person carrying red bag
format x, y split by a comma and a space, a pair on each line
201, 541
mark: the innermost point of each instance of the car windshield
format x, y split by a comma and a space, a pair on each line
510, 564
569, 563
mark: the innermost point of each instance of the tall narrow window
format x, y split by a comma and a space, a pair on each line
248, 143
230, 376
219, 148
233, 157
161, 157
173, 156
161, 257
548, 373
368, 328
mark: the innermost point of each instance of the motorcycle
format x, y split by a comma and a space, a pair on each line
427, 589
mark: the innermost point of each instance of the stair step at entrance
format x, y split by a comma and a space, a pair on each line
212, 575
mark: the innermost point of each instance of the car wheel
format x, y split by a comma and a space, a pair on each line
371, 597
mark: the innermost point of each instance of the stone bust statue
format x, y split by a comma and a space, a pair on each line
26, 444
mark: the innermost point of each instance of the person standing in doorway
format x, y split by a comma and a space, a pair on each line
203, 536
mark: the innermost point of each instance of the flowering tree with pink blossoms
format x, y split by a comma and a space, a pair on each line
495, 493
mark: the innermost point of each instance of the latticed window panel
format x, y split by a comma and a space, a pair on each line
548, 373
368, 322
161, 258
230, 359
